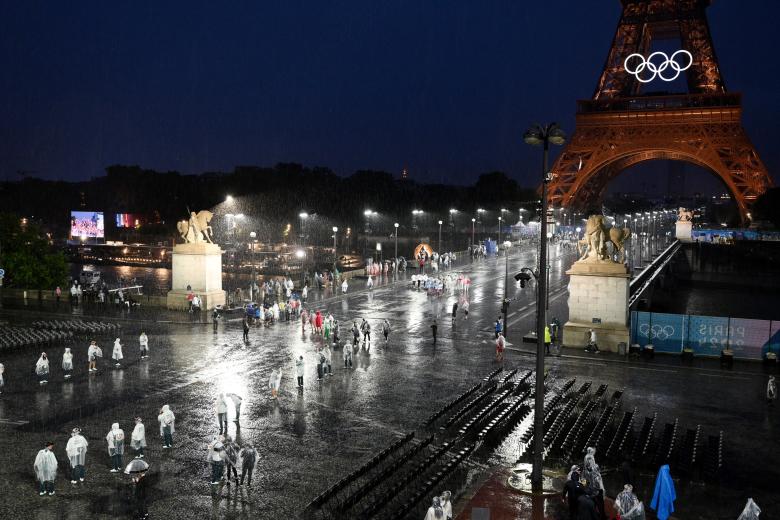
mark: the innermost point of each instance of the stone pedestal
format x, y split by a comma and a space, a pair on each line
598, 300
198, 265
684, 230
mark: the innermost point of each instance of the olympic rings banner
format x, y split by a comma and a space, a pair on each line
658, 65
706, 335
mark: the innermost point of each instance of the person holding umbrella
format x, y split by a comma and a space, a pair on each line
137, 470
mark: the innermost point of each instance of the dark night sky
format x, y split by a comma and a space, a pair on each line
445, 88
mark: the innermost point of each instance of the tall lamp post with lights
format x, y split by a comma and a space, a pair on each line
252, 236
535, 136
335, 254
473, 224
395, 225
499, 230
440, 223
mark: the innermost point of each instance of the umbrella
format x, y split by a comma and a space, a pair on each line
136, 466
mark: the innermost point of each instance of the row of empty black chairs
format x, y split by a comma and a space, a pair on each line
468, 406
509, 375
491, 375
449, 406
575, 435
618, 446
507, 418
362, 491
429, 484
550, 411
556, 429
713, 457
23, 337
666, 444
686, 456
77, 327
642, 444
395, 489
598, 437
362, 470
484, 412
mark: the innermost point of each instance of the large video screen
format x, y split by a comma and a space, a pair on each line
87, 224
128, 220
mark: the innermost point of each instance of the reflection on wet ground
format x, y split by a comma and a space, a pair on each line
309, 439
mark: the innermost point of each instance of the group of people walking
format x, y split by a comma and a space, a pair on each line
94, 352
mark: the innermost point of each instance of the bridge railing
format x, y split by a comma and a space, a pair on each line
647, 276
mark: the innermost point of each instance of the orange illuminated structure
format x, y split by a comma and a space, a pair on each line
623, 125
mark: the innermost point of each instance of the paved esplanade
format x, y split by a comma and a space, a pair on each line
307, 441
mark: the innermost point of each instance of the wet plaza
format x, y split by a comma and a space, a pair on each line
308, 440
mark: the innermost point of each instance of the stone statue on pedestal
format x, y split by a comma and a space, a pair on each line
684, 215
197, 228
593, 248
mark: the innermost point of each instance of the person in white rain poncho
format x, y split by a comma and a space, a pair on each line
750, 512
116, 447
215, 459
138, 438
42, 369
274, 381
592, 474
299, 370
46, 469
167, 426
221, 408
435, 512
628, 505
77, 454
237, 400
771, 390
327, 367
67, 363
370, 282
2, 379
229, 456
143, 341
116, 355
344, 286
446, 505
347, 353
93, 352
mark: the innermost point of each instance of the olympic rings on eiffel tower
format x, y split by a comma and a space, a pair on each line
657, 69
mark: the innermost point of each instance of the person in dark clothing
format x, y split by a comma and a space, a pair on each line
434, 329
572, 490
245, 323
454, 312
586, 508
214, 318
140, 489
248, 459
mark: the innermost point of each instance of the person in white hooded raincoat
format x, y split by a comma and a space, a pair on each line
116, 447
274, 381
2, 378
67, 363
93, 352
46, 469
750, 512
220, 406
42, 369
592, 474
116, 355
77, 454
628, 505
138, 438
167, 426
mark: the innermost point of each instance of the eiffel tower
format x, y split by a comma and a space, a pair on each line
623, 125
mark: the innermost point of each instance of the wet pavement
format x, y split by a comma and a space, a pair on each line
310, 439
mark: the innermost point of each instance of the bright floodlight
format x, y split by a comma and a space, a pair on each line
480, 210
395, 225
579, 229
299, 253
252, 234
473, 220
335, 229
367, 212
440, 222
453, 211
229, 199
228, 215
303, 214
239, 215
507, 244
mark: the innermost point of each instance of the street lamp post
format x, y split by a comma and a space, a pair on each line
252, 236
541, 135
335, 255
473, 223
303, 216
499, 231
440, 222
396, 243
505, 303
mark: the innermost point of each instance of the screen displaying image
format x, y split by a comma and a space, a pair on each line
87, 224
127, 220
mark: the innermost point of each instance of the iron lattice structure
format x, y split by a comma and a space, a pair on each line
621, 126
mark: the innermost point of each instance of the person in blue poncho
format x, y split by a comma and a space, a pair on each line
664, 494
